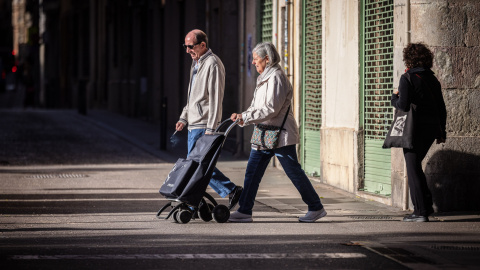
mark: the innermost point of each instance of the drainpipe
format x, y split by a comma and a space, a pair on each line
243, 69
407, 20
406, 198
163, 97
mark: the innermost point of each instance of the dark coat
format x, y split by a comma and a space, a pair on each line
420, 87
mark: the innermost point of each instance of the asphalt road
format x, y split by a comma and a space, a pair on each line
75, 196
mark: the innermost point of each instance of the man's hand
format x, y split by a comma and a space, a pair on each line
179, 126
395, 92
237, 116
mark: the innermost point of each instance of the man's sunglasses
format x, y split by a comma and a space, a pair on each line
190, 46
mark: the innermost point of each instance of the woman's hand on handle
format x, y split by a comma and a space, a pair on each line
237, 116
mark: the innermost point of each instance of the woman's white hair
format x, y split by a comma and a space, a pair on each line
267, 48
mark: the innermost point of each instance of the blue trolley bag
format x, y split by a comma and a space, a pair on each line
206, 152
178, 178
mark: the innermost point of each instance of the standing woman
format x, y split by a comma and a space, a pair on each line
420, 86
271, 103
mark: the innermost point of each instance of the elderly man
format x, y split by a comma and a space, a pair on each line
203, 111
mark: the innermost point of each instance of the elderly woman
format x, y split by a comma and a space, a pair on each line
420, 86
271, 105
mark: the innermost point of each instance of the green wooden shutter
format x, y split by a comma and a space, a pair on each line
267, 9
377, 90
311, 86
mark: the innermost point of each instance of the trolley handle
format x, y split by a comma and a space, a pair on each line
222, 124
229, 128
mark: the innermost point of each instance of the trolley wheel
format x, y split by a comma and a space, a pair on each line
184, 216
220, 213
175, 217
205, 212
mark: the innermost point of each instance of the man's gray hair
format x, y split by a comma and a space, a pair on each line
267, 48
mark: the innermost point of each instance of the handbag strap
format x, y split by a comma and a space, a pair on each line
285, 119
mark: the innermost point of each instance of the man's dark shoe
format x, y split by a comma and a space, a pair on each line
234, 196
415, 218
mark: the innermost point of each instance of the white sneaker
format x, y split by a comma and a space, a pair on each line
239, 217
311, 216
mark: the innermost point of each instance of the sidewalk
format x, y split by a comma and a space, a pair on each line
276, 190
139, 133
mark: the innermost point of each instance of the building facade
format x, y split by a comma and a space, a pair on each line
127, 57
343, 58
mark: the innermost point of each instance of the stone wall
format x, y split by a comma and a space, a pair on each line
451, 28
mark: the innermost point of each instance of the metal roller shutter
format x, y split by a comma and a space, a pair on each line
378, 86
311, 86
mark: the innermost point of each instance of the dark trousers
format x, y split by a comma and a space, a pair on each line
258, 163
417, 182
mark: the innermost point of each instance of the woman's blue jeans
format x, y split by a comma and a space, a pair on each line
219, 182
257, 164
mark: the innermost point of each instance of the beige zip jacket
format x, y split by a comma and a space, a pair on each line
270, 103
205, 96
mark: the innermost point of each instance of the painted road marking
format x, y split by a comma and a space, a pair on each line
81, 200
192, 256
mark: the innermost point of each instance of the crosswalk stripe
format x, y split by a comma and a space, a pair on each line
193, 256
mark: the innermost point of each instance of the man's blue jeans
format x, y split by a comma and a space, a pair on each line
219, 182
257, 164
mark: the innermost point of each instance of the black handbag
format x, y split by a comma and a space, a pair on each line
401, 131
400, 134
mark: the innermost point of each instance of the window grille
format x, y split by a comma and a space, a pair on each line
378, 67
267, 26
